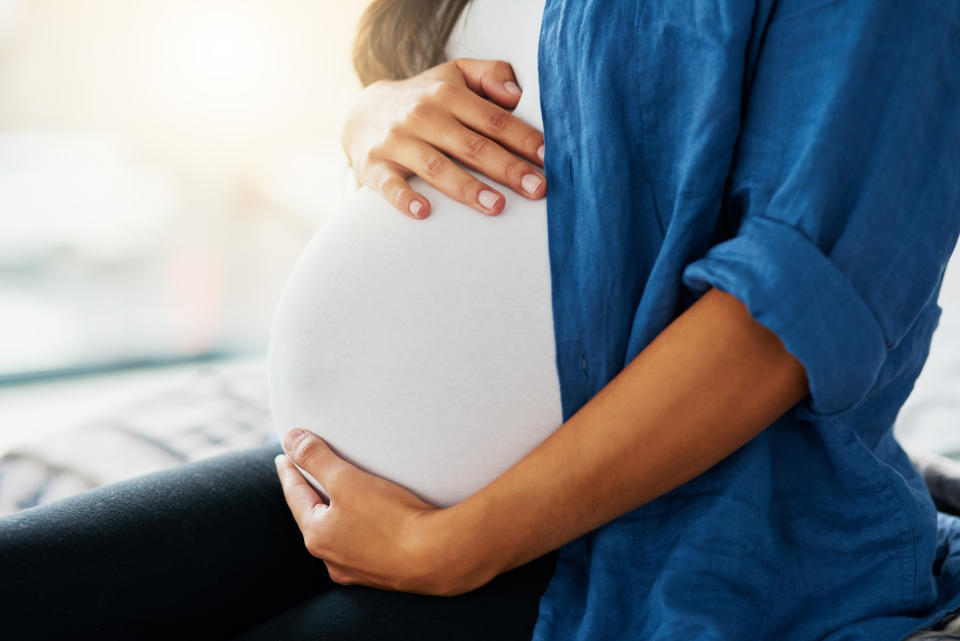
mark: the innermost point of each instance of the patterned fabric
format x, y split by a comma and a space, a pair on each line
948, 629
216, 412
220, 411
942, 476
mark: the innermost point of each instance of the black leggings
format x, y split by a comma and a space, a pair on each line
209, 551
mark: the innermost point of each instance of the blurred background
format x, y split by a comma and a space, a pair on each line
162, 163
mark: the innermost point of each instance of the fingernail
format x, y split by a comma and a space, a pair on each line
530, 183
291, 437
512, 88
540, 152
488, 198
415, 207
277, 459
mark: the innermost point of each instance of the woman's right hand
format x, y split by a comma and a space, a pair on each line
458, 109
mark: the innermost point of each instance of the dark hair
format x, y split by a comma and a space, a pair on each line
400, 38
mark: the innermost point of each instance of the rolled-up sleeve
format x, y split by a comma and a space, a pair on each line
846, 181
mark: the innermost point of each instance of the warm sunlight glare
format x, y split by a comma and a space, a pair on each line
199, 82
224, 69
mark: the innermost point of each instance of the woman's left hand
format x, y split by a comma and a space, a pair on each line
372, 532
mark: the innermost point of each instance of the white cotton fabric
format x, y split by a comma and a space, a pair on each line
423, 350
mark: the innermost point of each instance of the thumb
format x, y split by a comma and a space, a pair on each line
312, 453
493, 79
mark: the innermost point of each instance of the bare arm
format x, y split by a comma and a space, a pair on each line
711, 381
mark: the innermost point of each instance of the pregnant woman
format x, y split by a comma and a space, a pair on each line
424, 350
656, 404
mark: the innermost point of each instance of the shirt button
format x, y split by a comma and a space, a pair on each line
583, 363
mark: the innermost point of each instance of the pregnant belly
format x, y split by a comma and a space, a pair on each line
421, 351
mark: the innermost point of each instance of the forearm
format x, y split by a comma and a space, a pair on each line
711, 381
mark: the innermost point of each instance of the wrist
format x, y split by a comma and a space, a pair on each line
456, 550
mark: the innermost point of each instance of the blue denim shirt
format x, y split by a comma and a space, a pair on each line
804, 156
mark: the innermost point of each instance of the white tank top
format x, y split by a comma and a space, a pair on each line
423, 350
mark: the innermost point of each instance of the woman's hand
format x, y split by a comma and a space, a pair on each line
398, 128
372, 532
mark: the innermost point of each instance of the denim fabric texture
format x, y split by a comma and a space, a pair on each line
803, 156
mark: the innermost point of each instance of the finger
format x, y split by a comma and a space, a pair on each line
493, 79
312, 453
442, 173
392, 184
499, 125
302, 499
489, 158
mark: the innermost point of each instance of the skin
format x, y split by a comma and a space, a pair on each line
459, 109
710, 382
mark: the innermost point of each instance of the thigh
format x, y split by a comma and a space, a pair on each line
205, 550
505, 609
